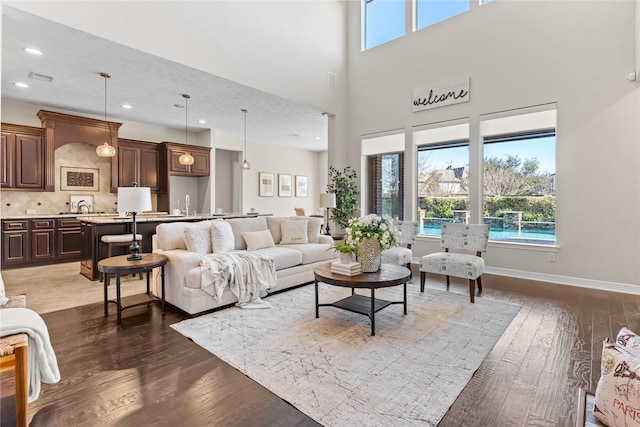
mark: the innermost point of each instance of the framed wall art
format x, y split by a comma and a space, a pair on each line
285, 185
83, 179
266, 184
301, 186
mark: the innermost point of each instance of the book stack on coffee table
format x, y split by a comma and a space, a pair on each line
346, 268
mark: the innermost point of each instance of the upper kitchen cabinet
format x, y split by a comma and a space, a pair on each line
64, 129
141, 162
24, 158
201, 155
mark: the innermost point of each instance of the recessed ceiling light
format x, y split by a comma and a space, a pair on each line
32, 51
127, 106
20, 84
201, 121
317, 138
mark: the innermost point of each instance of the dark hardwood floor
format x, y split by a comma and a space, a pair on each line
148, 374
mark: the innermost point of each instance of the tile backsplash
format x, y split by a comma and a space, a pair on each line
75, 155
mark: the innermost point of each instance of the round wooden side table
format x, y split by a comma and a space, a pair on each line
121, 265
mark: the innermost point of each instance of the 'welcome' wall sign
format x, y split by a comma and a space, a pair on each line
441, 94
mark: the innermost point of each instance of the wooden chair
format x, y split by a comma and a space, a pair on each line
299, 211
13, 356
465, 237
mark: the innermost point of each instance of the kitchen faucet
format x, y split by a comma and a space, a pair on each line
186, 203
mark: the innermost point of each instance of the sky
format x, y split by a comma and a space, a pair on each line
542, 149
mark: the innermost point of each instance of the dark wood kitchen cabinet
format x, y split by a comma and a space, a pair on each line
15, 242
23, 158
42, 239
38, 241
201, 156
141, 162
68, 239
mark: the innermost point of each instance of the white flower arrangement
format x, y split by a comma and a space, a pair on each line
372, 225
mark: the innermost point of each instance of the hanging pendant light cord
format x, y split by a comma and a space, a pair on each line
245, 134
186, 117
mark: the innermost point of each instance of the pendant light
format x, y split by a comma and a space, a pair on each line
186, 158
105, 150
245, 165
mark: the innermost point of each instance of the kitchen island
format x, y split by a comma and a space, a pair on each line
94, 227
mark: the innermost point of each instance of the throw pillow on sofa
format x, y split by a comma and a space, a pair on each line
630, 341
293, 231
258, 239
617, 400
313, 227
222, 239
197, 237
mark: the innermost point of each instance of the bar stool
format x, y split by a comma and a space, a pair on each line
112, 240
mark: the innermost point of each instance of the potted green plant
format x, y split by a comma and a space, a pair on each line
347, 252
344, 185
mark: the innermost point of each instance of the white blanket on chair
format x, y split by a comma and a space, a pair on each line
247, 274
41, 359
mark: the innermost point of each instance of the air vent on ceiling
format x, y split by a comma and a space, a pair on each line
42, 77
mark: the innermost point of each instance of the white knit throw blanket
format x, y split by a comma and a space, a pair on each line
41, 359
247, 274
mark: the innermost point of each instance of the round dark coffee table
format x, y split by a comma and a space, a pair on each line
388, 275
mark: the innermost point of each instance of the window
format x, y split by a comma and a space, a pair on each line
519, 187
385, 173
384, 20
429, 12
519, 173
443, 185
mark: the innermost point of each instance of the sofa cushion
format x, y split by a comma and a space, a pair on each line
283, 257
197, 237
293, 231
313, 227
169, 235
222, 239
313, 252
240, 225
258, 239
274, 225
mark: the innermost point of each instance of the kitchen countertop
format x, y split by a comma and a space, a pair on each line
114, 218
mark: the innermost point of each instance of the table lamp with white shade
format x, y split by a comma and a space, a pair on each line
134, 199
327, 201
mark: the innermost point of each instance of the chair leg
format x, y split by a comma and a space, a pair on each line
422, 278
22, 386
479, 281
472, 289
447, 282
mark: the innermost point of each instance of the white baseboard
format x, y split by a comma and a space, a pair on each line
567, 280
626, 288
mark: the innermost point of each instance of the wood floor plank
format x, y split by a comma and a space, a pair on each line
145, 373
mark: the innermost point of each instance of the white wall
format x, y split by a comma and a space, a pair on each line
520, 54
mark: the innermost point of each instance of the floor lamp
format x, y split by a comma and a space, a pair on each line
327, 201
134, 199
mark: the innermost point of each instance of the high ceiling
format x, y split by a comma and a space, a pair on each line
151, 85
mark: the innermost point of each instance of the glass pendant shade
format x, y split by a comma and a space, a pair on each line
245, 165
186, 159
105, 150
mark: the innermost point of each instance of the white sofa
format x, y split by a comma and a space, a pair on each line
294, 262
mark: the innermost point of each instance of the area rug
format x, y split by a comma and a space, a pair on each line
334, 371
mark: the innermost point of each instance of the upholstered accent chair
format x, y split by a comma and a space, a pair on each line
471, 238
402, 253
